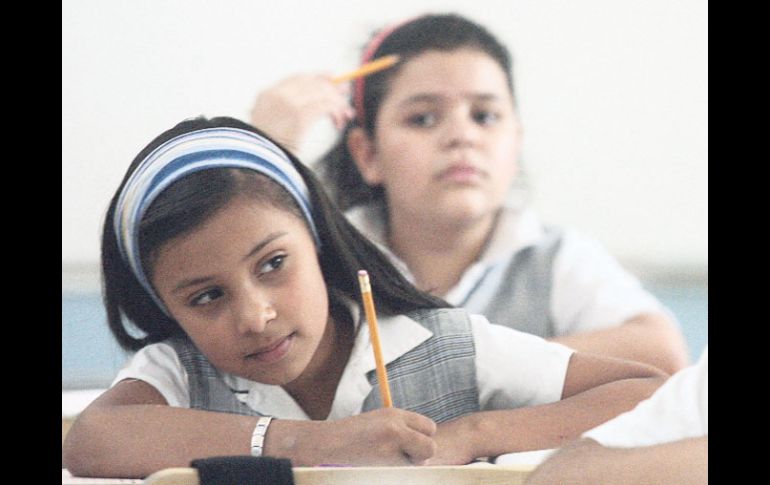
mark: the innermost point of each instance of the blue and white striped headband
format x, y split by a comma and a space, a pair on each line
181, 156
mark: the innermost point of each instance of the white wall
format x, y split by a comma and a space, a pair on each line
613, 96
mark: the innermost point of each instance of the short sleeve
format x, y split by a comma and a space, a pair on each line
516, 369
592, 291
159, 366
677, 410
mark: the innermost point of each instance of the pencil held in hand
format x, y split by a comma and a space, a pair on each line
371, 318
368, 68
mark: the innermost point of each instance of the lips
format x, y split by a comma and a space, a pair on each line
273, 352
461, 172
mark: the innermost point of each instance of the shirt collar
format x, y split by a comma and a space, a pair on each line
515, 229
398, 335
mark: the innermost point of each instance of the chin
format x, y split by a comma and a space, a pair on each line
280, 376
273, 380
466, 210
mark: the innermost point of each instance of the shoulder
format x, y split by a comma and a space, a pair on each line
162, 354
181, 345
159, 365
579, 241
578, 248
448, 328
519, 229
505, 358
441, 319
580, 254
506, 341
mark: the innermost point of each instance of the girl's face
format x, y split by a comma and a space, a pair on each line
247, 288
447, 138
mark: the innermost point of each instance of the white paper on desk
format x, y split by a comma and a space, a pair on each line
524, 457
68, 479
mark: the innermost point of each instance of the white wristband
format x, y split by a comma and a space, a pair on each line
258, 437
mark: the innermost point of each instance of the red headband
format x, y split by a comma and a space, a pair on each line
358, 88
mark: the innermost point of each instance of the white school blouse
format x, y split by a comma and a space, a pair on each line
677, 410
513, 369
589, 288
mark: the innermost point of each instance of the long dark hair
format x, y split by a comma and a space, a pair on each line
134, 318
445, 32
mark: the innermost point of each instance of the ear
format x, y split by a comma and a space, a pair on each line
361, 148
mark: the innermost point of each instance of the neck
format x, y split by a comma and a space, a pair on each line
314, 390
438, 256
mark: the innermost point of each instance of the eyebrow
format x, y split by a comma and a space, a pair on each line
257, 248
438, 98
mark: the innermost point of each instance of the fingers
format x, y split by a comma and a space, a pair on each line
288, 109
333, 99
299, 100
418, 447
421, 424
415, 436
387, 436
342, 117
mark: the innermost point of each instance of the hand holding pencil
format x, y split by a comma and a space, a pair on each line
288, 109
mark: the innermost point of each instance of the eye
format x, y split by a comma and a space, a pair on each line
485, 117
206, 297
422, 120
272, 264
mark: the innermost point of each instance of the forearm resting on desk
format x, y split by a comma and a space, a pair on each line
492, 433
135, 440
651, 338
586, 462
130, 431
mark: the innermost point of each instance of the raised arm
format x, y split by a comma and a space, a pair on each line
596, 389
130, 431
289, 108
683, 462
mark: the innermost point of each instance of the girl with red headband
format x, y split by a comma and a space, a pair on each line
427, 166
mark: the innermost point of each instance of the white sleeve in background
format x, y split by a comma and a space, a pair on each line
677, 410
516, 369
591, 291
159, 366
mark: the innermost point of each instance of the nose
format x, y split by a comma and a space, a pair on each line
460, 130
252, 311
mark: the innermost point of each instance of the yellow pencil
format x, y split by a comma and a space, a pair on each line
371, 318
368, 68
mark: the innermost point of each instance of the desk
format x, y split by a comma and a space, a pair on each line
476, 474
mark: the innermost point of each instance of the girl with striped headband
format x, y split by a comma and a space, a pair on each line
233, 278
427, 166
